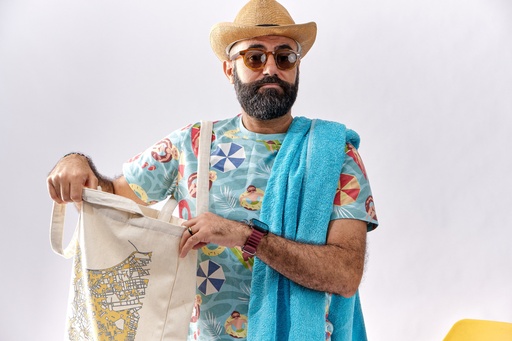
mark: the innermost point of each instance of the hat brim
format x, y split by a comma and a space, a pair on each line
226, 34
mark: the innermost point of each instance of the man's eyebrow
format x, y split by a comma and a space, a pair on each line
284, 47
256, 46
280, 47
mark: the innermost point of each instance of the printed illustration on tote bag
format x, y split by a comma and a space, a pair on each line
117, 295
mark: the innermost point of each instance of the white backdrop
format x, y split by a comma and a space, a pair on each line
426, 83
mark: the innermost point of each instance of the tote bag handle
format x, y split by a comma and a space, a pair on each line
57, 232
203, 168
165, 214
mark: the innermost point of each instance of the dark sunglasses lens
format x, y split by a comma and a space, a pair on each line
255, 59
286, 59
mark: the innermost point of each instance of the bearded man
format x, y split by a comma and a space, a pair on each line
293, 262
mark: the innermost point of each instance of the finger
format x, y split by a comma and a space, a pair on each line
199, 245
92, 182
53, 192
183, 246
75, 190
64, 192
189, 243
190, 222
184, 237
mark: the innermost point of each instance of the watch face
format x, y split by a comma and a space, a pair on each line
259, 225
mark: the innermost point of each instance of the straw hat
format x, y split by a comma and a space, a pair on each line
260, 18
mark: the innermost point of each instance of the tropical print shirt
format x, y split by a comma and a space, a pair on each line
240, 166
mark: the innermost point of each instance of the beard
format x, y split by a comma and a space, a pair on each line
266, 104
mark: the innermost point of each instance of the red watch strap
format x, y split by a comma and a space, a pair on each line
250, 246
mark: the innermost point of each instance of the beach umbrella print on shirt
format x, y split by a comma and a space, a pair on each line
227, 156
210, 277
348, 190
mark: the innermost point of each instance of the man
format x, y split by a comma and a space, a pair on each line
302, 283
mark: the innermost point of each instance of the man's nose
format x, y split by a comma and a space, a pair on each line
270, 66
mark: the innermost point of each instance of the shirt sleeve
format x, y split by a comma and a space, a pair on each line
153, 174
354, 199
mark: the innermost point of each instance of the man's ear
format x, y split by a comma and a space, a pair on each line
227, 65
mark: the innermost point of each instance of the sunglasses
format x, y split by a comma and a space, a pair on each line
255, 59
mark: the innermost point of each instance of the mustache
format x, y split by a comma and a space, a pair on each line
271, 80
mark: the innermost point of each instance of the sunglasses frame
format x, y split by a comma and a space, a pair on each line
266, 53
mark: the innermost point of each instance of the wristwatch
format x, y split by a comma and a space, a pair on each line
259, 229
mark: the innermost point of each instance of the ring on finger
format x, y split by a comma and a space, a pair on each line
189, 229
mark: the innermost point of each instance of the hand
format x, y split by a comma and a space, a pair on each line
68, 177
210, 228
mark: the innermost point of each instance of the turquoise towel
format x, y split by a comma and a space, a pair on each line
297, 205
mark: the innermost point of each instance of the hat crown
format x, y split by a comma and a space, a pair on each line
263, 13
260, 18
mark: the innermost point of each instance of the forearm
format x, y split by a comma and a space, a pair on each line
336, 267
331, 268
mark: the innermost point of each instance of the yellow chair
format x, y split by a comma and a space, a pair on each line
480, 330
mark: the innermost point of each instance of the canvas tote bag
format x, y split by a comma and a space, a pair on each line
128, 281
